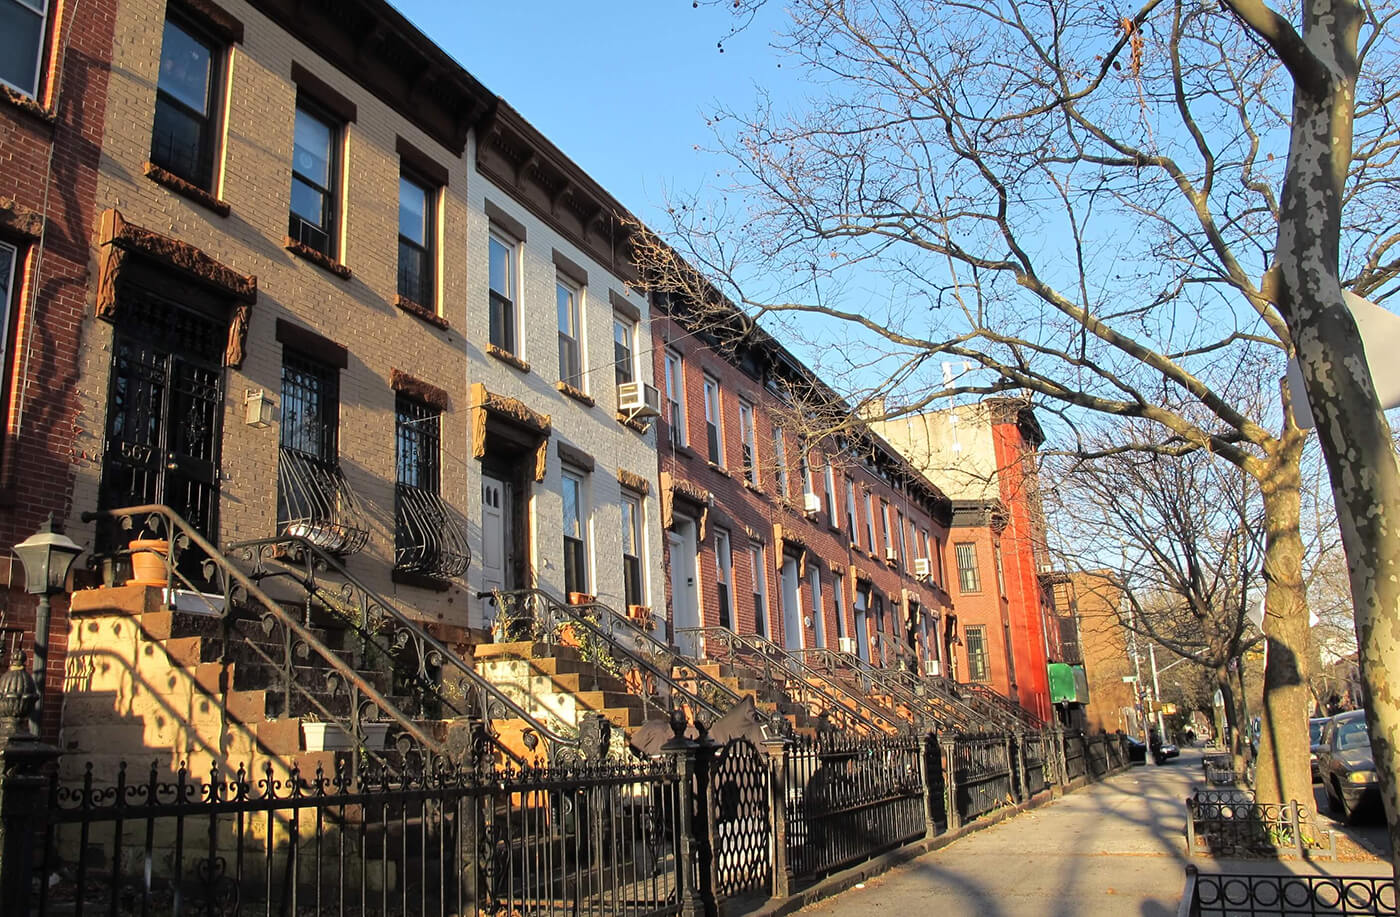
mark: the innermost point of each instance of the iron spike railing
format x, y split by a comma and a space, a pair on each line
235, 587
422, 657
797, 679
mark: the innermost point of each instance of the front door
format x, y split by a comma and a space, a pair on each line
792, 606
164, 414
862, 633
497, 541
685, 591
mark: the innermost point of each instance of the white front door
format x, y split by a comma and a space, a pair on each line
685, 590
793, 637
495, 539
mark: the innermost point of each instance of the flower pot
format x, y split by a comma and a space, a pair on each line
582, 598
148, 562
326, 737
375, 734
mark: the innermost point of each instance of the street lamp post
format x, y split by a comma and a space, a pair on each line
46, 557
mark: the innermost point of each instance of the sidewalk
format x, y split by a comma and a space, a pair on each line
1114, 848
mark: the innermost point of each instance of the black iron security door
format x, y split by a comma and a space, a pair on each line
165, 411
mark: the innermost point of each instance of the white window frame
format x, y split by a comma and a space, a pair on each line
838, 588
637, 503
758, 555
870, 544
829, 477
714, 417
852, 512
7, 298
814, 584
512, 296
628, 327
674, 369
40, 52
584, 522
563, 286
724, 578
748, 442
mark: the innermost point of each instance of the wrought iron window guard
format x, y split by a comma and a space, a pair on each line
315, 503
428, 539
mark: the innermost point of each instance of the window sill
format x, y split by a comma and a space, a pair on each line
507, 358
632, 423
421, 312
718, 470
421, 580
681, 449
31, 107
188, 190
751, 486
320, 259
577, 394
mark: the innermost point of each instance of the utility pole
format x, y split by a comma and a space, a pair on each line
1157, 694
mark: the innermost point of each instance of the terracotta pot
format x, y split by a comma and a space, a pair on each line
148, 562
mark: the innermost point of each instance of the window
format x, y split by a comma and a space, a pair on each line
902, 542
886, 528
850, 509
870, 522
1001, 573
675, 398
566, 299
314, 167
182, 138
417, 453
814, 579
968, 577
838, 588
976, 640
415, 241
829, 474
724, 577
9, 262
501, 269
748, 457
780, 460
1010, 655
575, 532
22, 43
937, 556
624, 348
760, 588
804, 468
633, 583
713, 439
310, 407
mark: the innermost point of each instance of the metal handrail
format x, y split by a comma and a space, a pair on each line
381, 622
161, 522
777, 661
1007, 706
945, 708
834, 665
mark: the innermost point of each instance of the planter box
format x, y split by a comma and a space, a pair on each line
330, 737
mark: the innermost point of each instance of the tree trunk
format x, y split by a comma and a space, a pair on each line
1282, 771
1351, 427
1234, 718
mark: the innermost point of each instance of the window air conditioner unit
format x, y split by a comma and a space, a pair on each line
639, 399
932, 668
811, 503
922, 568
891, 555
846, 645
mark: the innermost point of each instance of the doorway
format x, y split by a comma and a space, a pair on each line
793, 636
685, 589
505, 525
862, 626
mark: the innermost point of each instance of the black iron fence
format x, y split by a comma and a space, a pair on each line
1033, 757
1075, 756
982, 775
1208, 894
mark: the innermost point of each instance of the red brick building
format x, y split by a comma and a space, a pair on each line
52, 98
830, 543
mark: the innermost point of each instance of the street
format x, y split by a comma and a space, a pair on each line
1113, 848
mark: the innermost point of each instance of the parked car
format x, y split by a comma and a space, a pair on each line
1315, 728
1346, 767
1137, 752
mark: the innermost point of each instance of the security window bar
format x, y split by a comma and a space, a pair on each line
724, 577
314, 170
624, 348
633, 586
748, 459
182, 136
415, 241
566, 297
575, 533
760, 589
428, 540
713, 439
675, 398
501, 271
976, 640
22, 27
310, 407
969, 580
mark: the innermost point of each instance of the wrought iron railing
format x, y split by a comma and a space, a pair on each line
441, 683
220, 589
982, 775
850, 799
1076, 765
836, 666
1039, 772
930, 696
435, 841
428, 538
798, 681
738, 826
1225, 895
315, 502
658, 673
1229, 823
1016, 716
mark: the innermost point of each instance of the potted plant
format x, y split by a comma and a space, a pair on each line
322, 736
148, 562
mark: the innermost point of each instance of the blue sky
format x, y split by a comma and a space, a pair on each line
620, 86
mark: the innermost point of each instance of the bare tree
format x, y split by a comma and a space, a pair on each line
1102, 211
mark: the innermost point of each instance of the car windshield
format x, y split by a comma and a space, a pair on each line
1315, 730
1352, 734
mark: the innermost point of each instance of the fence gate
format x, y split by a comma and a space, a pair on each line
740, 838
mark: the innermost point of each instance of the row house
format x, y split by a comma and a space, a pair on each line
53, 83
983, 456
346, 293
809, 540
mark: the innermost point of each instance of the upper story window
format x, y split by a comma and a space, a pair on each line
183, 136
416, 241
780, 460
575, 531
976, 640
969, 579
22, 27
829, 479
814, 579
624, 348
567, 298
314, 174
9, 261
850, 508
504, 252
633, 571
902, 543
748, 457
804, 468
869, 522
675, 398
838, 591
724, 578
310, 407
886, 528
713, 438
1001, 572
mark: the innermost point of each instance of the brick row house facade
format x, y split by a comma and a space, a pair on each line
323, 283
